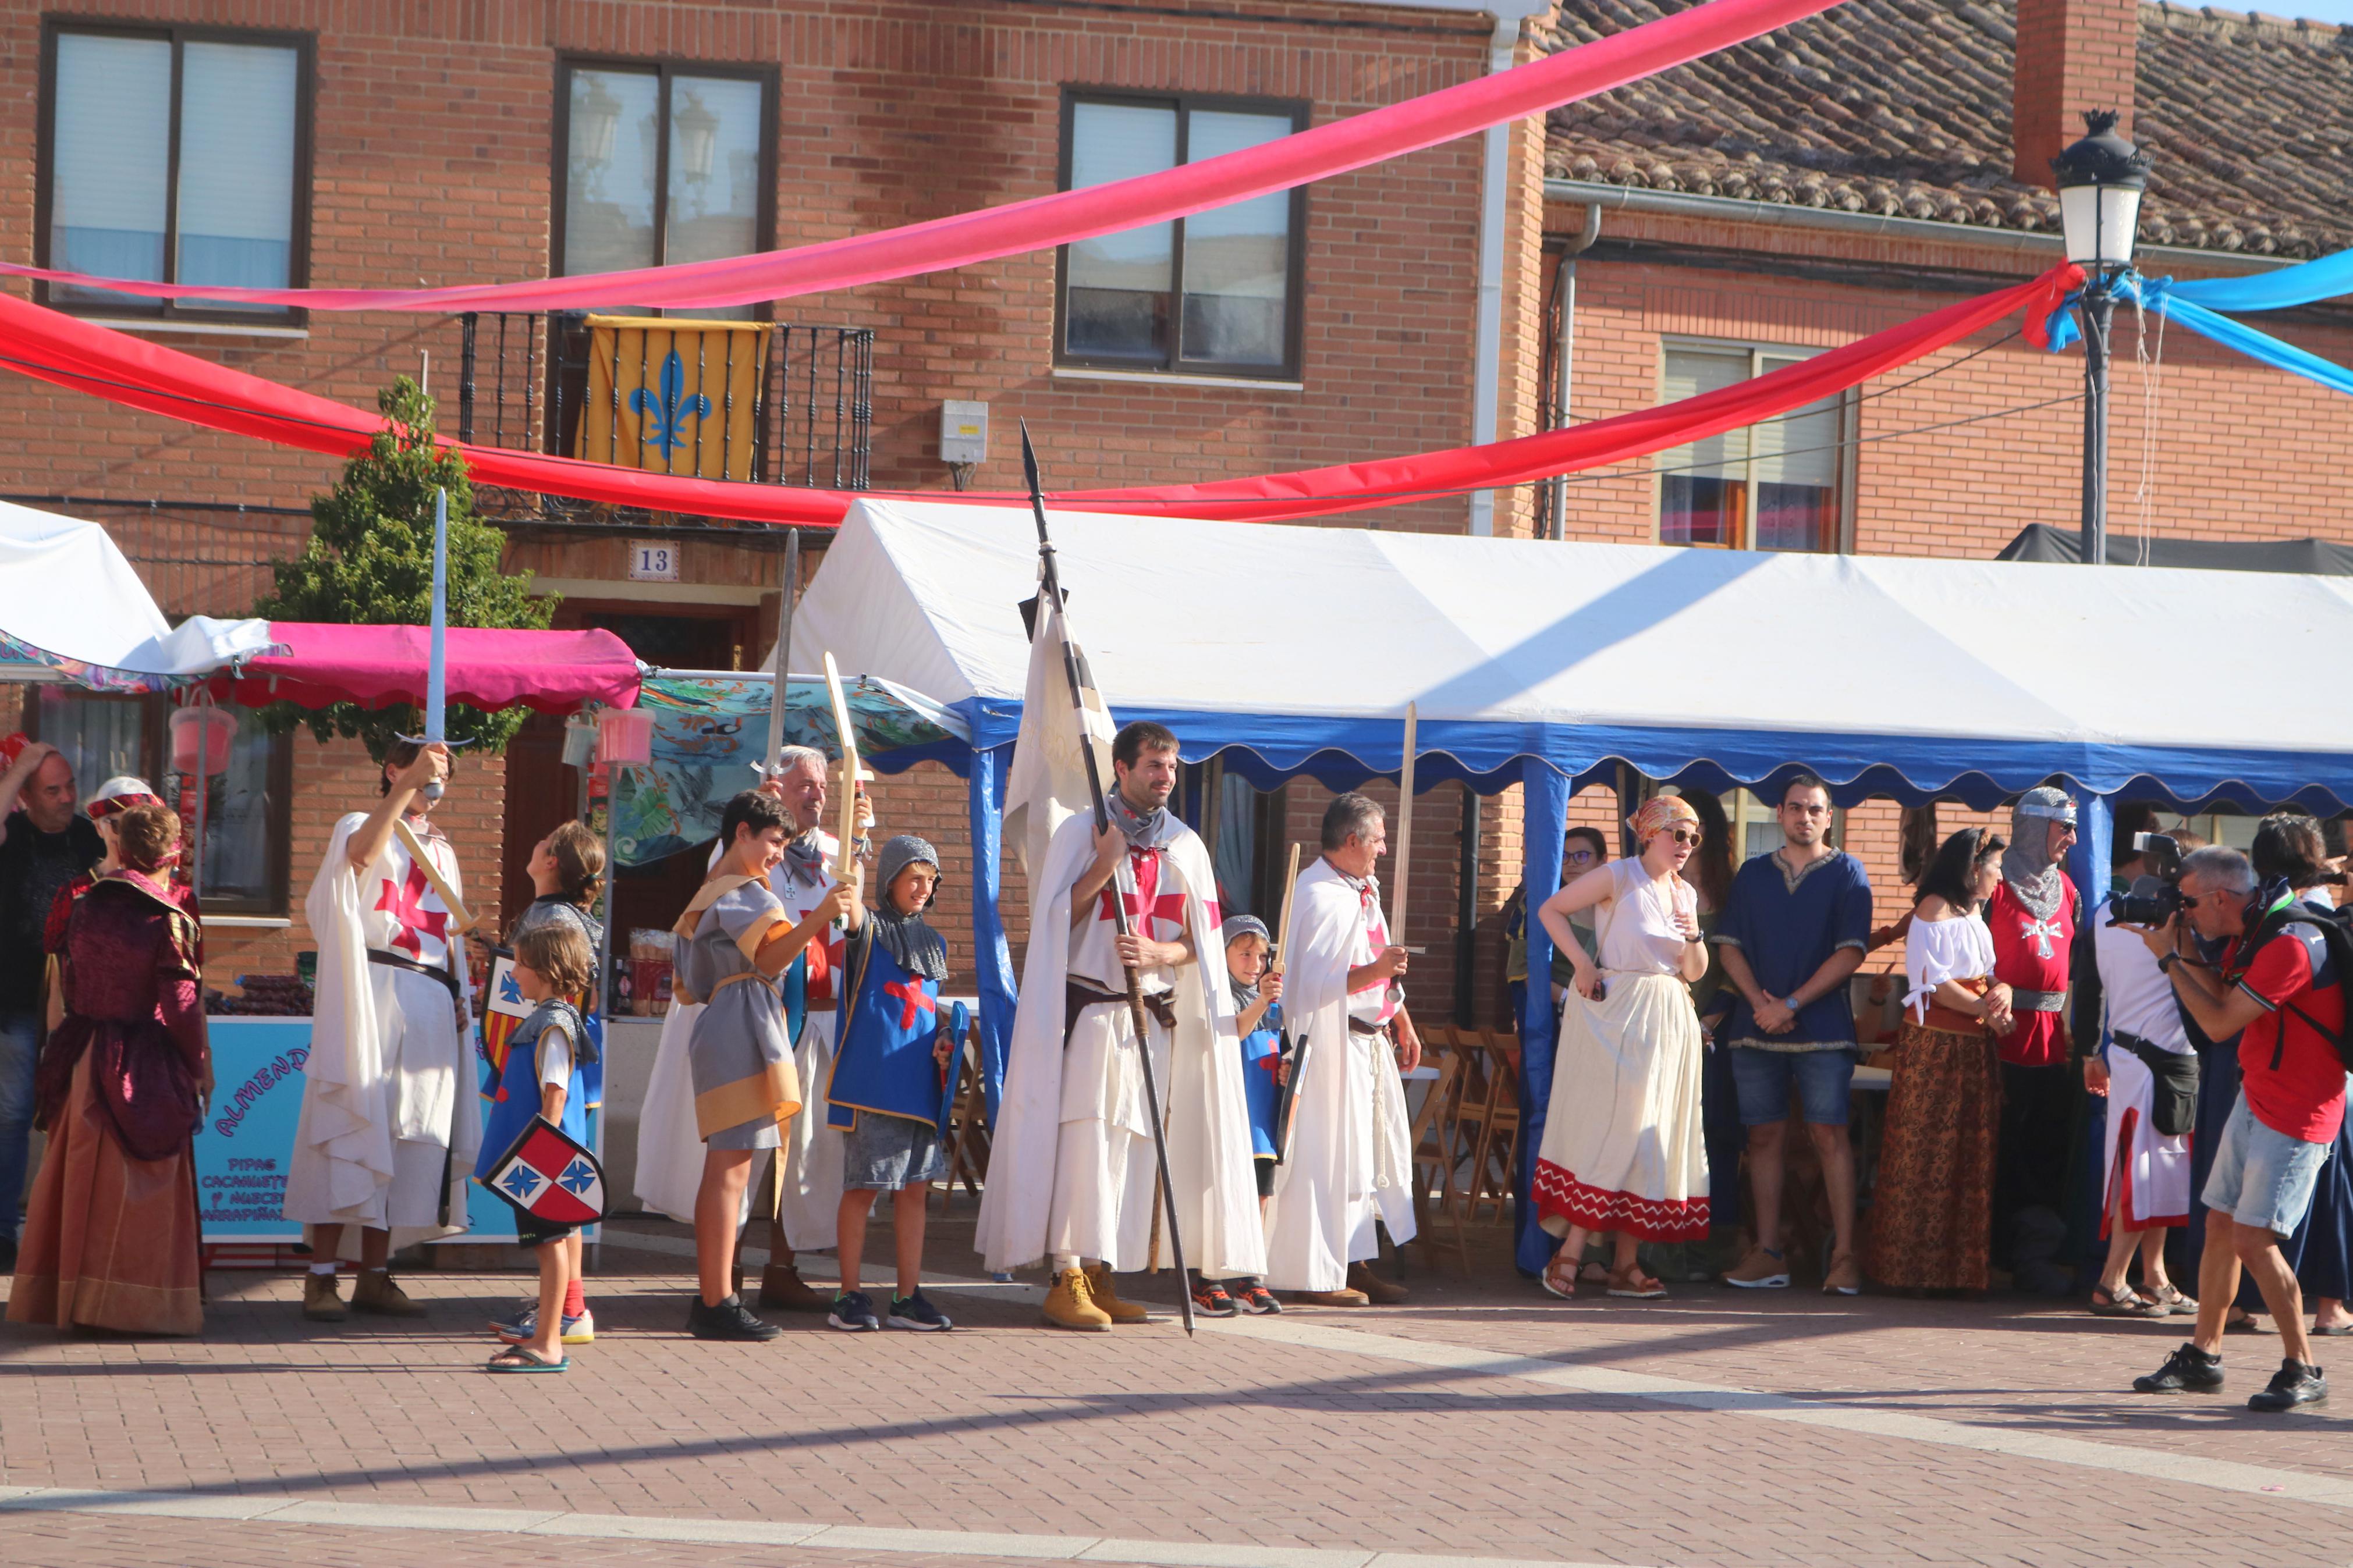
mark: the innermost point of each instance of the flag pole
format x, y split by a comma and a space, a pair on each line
1050, 596
783, 650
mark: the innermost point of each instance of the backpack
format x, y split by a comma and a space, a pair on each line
2335, 927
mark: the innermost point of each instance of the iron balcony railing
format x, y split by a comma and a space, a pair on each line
525, 383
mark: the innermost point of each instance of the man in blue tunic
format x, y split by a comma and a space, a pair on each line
1795, 928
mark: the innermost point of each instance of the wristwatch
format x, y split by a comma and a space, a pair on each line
2165, 963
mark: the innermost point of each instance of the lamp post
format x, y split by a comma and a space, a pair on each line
2101, 179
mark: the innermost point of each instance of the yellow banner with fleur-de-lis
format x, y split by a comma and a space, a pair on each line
674, 396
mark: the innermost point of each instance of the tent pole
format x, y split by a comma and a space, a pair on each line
1544, 798
992, 957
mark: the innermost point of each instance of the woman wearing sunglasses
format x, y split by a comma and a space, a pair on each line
1622, 1149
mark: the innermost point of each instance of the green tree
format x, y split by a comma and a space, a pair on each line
369, 561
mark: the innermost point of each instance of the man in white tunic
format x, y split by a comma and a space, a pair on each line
808, 1179
1349, 1164
1073, 1174
391, 1119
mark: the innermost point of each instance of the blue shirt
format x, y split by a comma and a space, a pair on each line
1787, 926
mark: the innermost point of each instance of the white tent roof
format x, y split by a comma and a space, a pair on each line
76, 610
1910, 676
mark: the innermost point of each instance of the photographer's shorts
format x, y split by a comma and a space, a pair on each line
2263, 1178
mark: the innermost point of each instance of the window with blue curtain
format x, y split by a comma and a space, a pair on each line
178, 155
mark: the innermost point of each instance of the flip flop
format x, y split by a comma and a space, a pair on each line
2339, 1328
522, 1357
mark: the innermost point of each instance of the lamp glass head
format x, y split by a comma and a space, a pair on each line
2101, 180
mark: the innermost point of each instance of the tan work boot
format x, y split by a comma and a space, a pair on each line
1328, 1297
1760, 1271
1106, 1295
1071, 1304
781, 1286
320, 1304
1380, 1292
1844, 1278
375, 1292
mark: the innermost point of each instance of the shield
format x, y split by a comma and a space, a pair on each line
503, 1011
550, 1177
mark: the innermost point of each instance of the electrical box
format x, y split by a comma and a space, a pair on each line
963, 432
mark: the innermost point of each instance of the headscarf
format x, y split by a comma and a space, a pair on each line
120, 795
2035, 879
909, 939
1659, 813
1238, 926
1152, 829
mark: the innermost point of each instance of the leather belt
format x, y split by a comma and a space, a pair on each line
440, 976
1361, 1027
2025, 1001
1078, 994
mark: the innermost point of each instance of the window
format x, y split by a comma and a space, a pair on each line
176, 155
657, 164
246, 810
1773, 486
1217, 293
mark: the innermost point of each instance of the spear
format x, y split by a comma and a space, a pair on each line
1050, 595
784, 647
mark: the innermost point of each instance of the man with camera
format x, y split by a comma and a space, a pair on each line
2276, 987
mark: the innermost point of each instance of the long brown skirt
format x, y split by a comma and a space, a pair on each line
1932, 1207
110, 1241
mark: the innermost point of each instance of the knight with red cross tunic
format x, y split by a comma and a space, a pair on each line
390, 1125
2033, 916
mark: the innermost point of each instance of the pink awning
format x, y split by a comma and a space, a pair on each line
555, 672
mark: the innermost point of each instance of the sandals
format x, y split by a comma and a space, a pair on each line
522, 1358
2170, 1298
1554, 1285
2124, 1301
1633, 1285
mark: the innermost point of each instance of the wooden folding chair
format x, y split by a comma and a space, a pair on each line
968, 1144
1436, 1144
1494, 1160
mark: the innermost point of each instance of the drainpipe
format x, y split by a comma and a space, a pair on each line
1566, 353
1487, 353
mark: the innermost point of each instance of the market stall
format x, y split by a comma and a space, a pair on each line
1547, 665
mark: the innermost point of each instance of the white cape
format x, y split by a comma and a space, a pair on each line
1208, 1122
342, 1157
1349, 1160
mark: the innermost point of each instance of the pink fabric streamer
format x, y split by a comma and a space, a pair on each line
51, 346
374, 665
1042, 221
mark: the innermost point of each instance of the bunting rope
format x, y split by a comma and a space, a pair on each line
67, 352
1040, 223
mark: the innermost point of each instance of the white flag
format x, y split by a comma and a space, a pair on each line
1048, 782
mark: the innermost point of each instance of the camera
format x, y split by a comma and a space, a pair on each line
2152, 900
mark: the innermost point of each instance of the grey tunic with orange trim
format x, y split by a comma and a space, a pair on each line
739, 1057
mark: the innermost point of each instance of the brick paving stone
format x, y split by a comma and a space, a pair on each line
1236, 1437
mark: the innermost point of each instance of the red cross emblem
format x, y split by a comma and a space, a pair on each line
406, 905
1147, 903
913, 999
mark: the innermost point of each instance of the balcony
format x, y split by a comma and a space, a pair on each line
755, 402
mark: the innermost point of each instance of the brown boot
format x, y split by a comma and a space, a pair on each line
1327, 1298
373, 1292
320, 1304
1376, 1290
1071, 1304
1106, 1295
782, 1287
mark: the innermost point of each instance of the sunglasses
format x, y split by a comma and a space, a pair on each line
1683, 836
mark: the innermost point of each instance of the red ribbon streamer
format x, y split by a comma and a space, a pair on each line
1042, 221
70, 352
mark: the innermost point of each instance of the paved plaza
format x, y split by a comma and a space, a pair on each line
1482, 1423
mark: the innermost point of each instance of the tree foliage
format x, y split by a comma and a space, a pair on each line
369, 561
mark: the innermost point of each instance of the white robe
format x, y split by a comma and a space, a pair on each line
808, 1191
390, 1106
1350, 1160
1032, 1181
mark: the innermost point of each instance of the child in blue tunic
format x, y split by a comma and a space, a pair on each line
544, 1066
885, 1092
1258, 1022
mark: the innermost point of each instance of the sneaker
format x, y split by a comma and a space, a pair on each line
580, 1329
729, 1319
2296, 1383
853, 1313
1842, 1279
516, 1328
1255, 1298
1209, 1299
1762, 1269
2187, 1370
917, 1312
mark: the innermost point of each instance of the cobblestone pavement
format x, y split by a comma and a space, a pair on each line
1480, 1422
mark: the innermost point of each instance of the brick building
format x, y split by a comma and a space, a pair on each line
1847, 173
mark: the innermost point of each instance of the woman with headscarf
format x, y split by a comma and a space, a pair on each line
1622, 1148
1932, 1207
110, 1233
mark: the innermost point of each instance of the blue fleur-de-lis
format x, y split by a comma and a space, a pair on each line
665, 413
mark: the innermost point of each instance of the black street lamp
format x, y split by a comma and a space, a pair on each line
2101, 179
